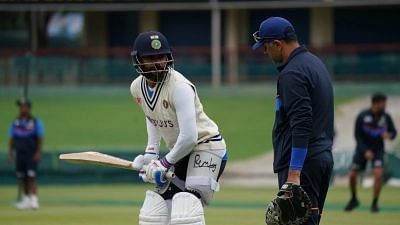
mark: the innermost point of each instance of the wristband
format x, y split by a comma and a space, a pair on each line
297, 158
164, 162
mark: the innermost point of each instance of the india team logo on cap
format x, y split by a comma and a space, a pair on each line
155, 44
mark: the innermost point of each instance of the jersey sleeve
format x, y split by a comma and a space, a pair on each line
184, 101
391, 127
134, 88
11, 130
39, 128
153, 138
358, 133
296, 102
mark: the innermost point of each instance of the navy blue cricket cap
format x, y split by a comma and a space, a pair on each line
24, 101
273, 28
150, 43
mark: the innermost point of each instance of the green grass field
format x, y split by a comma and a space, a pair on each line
120, 204
106, 118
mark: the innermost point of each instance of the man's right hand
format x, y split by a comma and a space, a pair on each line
387, 136
142, 160
369, 154
147, 157
154, 172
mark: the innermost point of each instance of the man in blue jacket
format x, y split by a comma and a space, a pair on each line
26, 139
303, 129
372, 127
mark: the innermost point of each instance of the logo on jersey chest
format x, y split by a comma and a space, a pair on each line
382, 121
24, 128
138, 100
367, 119
31, 125
165, 104
26, 125
161, 123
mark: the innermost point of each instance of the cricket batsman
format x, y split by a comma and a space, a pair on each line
197, 152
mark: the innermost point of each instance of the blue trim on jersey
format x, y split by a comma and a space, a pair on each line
151, 102
225, 156
278, 103
149, 91
39, 128
297, 158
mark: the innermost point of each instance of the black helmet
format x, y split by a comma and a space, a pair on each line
148, 44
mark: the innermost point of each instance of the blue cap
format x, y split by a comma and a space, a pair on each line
273, 28
24, 102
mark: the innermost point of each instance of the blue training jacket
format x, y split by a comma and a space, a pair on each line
369, 129
25, 133
304, 108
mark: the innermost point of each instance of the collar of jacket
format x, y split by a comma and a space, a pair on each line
295, 52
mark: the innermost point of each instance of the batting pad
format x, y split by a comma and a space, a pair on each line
187, 210
154, 210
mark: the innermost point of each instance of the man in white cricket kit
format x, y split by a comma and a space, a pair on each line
174, 113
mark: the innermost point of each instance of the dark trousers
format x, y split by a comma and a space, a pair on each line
314, 179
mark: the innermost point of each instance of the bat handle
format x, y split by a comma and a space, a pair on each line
170, 175
137, 166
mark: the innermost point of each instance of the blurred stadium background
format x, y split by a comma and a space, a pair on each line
73, 60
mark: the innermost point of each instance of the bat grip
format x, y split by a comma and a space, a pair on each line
169, 175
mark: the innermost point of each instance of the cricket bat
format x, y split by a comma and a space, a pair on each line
107, 160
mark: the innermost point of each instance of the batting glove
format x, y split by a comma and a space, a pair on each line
142, 160
155, 172
148, 157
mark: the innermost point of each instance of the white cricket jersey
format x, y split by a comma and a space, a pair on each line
161, 112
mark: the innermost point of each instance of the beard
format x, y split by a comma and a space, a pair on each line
156, 77
156, 73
